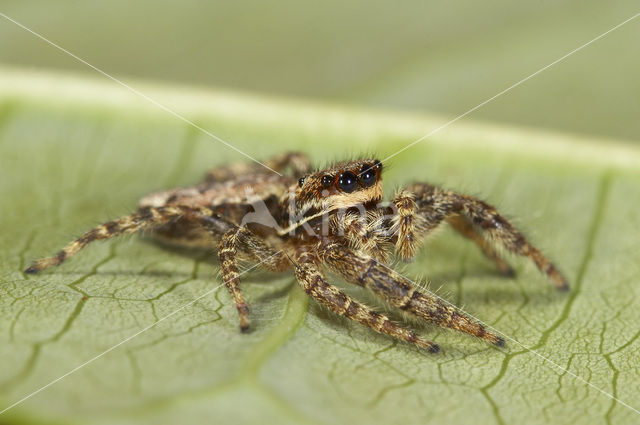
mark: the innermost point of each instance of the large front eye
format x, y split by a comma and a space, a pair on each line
368, 175
347, 182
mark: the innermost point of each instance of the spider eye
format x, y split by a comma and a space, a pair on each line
347, 182
301, 182
368, 175
327, 180
378, 165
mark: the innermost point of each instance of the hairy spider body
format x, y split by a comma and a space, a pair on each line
330, 219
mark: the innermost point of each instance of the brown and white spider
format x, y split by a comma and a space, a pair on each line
333, 218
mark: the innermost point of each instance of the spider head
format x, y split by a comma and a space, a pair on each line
341, 186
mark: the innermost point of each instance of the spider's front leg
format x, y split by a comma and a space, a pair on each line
397, 290
422, 207
308, 274
241, 238
410, 227
143, 219
364, 233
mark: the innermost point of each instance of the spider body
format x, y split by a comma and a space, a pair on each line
332, 219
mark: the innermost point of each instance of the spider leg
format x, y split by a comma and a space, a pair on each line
463, 226
398, 290
431, 205
297, 163
143, 219
363, 234
407, 225
315, 285
241, 238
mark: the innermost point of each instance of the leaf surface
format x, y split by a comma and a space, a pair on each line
76, 152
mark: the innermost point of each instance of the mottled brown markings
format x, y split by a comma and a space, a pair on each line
112, 227
404, 304
356, 242
227, 253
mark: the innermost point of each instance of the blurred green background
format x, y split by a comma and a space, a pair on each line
434, 56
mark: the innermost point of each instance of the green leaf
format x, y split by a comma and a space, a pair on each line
75, 152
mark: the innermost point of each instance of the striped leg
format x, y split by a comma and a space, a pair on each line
398, 290
407, 225
463, 226
241, 238
315, 285
143, 219
363, 234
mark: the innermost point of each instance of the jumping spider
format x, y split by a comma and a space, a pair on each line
332, 218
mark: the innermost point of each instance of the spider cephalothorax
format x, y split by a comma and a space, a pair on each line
330, 219
340, 187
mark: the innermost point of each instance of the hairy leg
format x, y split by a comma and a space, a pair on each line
363, 234
463, 226
434, 205
315, 285
398, 290
407, 225
241, 238
143, 219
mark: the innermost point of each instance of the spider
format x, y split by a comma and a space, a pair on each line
331, 219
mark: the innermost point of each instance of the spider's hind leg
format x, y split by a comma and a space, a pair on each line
143, 219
